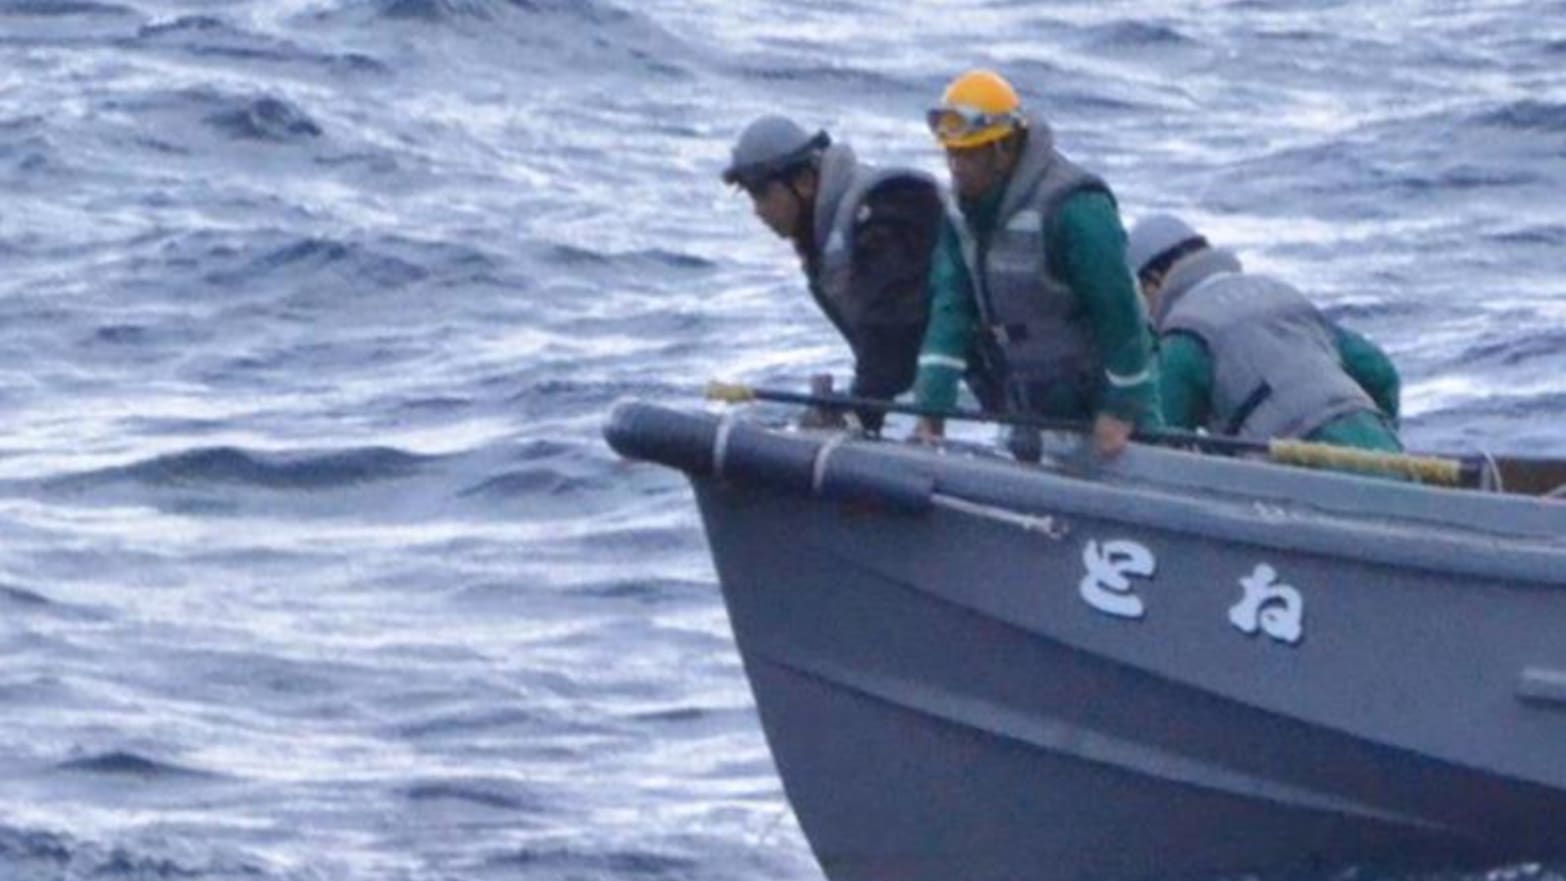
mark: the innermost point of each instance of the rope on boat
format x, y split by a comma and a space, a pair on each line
1043, 524
1425, 469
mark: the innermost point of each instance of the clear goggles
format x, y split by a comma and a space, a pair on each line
957, 121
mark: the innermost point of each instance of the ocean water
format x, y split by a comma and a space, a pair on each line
314, 565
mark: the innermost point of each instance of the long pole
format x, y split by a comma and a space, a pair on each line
1425, 469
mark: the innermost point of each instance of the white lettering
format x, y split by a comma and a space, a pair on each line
1277, 610
1106, 586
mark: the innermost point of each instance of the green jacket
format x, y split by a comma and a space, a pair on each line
1185, 370
1087, 244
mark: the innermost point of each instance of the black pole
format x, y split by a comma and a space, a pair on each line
1470, 466
1166, 437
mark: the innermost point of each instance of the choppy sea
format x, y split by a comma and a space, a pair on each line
313, 564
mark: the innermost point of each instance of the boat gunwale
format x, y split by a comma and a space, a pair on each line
1143, 488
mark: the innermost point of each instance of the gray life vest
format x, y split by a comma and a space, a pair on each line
1031, 317
843, 184
1276, 368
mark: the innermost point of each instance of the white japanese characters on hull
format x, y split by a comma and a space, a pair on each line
1277, 610
1110, 567
1266, 606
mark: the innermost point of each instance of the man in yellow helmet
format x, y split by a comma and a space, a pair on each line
1030, 289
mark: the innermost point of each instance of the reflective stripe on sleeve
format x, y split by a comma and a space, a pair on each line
942, 361
1128, 381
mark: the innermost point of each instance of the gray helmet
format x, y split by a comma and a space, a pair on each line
1156, 236
769, 147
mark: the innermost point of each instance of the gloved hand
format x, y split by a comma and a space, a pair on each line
928, 430
1111, 435
822, 417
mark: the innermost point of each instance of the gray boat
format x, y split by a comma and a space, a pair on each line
1171, 666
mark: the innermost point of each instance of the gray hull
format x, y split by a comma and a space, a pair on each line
1118, 675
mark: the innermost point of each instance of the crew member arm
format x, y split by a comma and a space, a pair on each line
1369, 366
1185, 381
1090, 247
953, 325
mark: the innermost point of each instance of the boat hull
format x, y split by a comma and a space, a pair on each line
921, 738
1171, 667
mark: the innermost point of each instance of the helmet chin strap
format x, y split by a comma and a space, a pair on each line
804, 219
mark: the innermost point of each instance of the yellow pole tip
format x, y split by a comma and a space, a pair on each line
729, 392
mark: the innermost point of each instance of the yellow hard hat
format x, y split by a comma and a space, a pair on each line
978, 108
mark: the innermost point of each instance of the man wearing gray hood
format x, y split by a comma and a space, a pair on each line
1249, 356
864, 238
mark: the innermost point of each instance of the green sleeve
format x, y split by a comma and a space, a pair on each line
1185, 381
1371, 368
1361, 429
949, 336
1091, 245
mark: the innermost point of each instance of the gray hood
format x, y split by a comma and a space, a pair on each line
1037, 155
1190, 272
836, 176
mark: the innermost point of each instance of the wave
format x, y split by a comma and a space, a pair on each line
21, 596
589, 11
591, 24
1467, 176
1470, 413
383, 264
38, 854
537, 449
25, 145
1373, 310
1529, 116
653, 258
589, 29
530, 483
610, 863
165, 118
564, 395
25, 125
1517, 347
122, 763
500, 796
1277, 6
265, 118
1540, 234
21, 600
854, 80
212, 36
231, 465
123, 334
461, 723
442, 10
1137, 35
678, 716
637, 541
22, 846
649, 591
63, 9
311, 250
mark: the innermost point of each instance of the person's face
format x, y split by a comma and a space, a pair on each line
777, 206
975, 169
1150, 286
